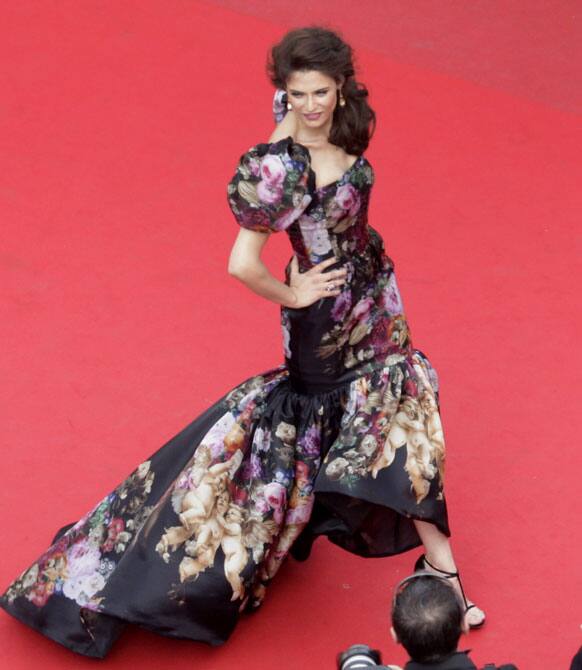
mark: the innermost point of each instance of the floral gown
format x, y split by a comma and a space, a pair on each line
343, 439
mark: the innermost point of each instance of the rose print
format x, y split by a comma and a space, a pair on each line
275, 495
341, 306
254, 166
363, 308
269, 194
309, 443
273, 171
391, 300
82, 558
40, 594
348, 199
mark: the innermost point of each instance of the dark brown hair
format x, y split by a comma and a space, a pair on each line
321, 49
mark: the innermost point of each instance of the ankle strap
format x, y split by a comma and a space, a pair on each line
449, 575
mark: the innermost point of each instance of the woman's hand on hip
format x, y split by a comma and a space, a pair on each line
311, 286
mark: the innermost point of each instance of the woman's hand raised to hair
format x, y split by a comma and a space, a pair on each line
287, 128
309, 287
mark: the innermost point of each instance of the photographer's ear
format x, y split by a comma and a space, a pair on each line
464, 625
394, 636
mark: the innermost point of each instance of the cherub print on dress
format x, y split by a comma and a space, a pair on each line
408, 420
201, 549
198, 506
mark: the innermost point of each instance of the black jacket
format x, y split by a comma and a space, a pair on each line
457, 661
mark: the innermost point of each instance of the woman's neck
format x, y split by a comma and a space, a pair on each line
315, 137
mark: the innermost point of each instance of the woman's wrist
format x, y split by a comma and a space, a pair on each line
293, 300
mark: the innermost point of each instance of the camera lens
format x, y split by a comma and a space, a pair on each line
358, 656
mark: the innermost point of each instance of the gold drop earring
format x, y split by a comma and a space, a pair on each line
342, 100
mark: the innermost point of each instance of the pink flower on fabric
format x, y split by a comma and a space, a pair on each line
391, 299
273, 171
269, 194
276, 495
261, 505
82, 558
116, 525
309, 443
41, 593
341, 306
254, 167
348, 198
363, 308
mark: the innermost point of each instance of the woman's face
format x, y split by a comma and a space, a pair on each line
313, 96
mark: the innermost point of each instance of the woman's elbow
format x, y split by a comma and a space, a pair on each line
241, 271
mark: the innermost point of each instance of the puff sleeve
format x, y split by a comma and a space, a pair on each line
272, 186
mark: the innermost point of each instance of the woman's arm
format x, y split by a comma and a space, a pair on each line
246, 265
305, 288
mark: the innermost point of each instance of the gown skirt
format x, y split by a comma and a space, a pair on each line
343, 439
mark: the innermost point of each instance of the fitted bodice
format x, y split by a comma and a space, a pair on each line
274, 189
335, 222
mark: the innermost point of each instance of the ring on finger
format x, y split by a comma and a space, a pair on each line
329, 288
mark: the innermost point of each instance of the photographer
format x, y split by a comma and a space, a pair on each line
427, 620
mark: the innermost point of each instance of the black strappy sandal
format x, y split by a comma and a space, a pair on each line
421, 564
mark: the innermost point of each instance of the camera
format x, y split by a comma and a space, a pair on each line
360, 656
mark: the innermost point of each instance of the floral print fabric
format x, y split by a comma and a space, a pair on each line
343, 439
272, 189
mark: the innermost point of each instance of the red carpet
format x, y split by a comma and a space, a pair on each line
122, 123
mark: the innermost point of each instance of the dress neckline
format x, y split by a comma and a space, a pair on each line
359, 159
337, 181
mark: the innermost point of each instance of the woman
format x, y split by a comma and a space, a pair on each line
343, 439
